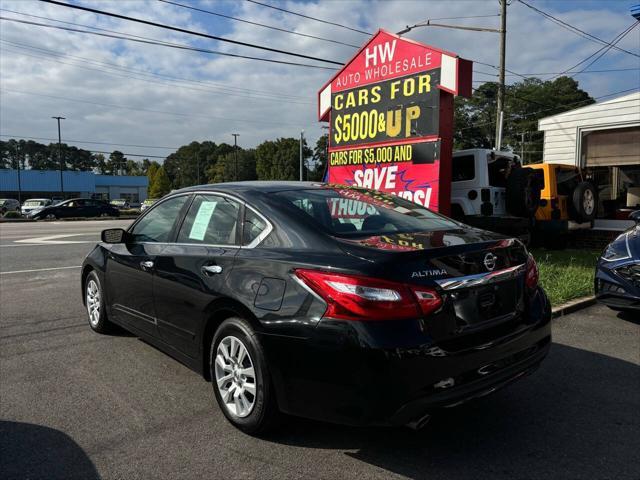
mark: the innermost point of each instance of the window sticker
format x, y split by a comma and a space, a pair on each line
201, 222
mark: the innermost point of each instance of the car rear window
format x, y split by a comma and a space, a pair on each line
350, 212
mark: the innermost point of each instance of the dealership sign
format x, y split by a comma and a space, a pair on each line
390, 114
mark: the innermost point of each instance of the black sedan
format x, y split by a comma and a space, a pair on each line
73, 208
617, 280
323, 301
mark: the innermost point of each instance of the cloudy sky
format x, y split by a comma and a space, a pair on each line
118, 93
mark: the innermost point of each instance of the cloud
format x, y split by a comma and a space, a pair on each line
256, 99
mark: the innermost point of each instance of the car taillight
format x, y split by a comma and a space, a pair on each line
531, 279
358, 297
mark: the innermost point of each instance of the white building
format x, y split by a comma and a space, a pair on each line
604, 140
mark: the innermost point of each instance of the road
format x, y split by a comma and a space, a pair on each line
75, 404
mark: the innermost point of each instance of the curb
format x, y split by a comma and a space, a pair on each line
572, 306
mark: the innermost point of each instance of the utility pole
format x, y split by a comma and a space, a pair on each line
19, 182
60, 155
301, 159
503, 43
198, 165
522, 147
503, 47
235, 156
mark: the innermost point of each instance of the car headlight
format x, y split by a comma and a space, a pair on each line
617, 250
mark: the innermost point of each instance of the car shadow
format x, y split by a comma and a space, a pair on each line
578, 416
33, 451
633, 317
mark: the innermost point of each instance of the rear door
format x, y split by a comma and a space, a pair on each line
131, 266
193, 271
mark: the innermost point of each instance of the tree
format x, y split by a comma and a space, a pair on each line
224, 170
319, 159
161, 184
526, 102
152, 169
280, 159
116, 163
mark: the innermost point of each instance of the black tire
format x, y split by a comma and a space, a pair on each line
523, 192
100, 323
584, 204
49, 216
264, 414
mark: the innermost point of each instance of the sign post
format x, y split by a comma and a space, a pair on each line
390, 114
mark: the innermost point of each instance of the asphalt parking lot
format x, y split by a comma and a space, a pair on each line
74, 404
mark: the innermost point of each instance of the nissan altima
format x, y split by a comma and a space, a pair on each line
323, 301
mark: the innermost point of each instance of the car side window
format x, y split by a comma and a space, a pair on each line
156, 226
254, 225
212, 220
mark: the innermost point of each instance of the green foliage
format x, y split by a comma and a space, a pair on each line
161, 184
319, 159
37, 156
152, 169
225, 168
566, 274
280, 159
525, 103
190, 164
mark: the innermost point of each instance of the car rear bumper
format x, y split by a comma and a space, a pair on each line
369, 373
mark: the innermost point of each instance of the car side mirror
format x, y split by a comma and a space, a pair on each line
635, 216
113, 235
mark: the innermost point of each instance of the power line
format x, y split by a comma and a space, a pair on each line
600, 52
138, 109
574, 29
172, 81
309, 17
459, 18
609, 70
189, 32
167, 44
89, 142
554, 108
214, 84
257, 24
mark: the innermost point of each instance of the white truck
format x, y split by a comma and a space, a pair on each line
493, 191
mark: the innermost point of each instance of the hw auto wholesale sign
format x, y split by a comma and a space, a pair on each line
390, 111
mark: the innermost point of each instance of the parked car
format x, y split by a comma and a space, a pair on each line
568, 201
33, 204
492, 190
9, 205
335, 303
147, 203
75, 207
617, 281
135, 205
120, 203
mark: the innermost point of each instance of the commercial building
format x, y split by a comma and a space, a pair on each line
603, 139
46, 184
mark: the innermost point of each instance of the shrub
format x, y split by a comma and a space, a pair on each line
13, 214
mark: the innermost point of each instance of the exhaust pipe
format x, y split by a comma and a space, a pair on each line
419, 423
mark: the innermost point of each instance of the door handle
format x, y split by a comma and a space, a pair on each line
146, 265
211, 269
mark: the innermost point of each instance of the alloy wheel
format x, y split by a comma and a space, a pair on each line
93, 302
588, 202
235, 376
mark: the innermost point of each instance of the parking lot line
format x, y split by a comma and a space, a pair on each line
40, 270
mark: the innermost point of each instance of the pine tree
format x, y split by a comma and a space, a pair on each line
161, 184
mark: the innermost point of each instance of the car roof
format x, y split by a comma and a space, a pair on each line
257, 185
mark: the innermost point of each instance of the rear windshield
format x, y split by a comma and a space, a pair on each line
351, 212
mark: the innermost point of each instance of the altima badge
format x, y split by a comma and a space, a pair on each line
490, 261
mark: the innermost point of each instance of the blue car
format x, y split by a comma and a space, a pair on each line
617, 282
